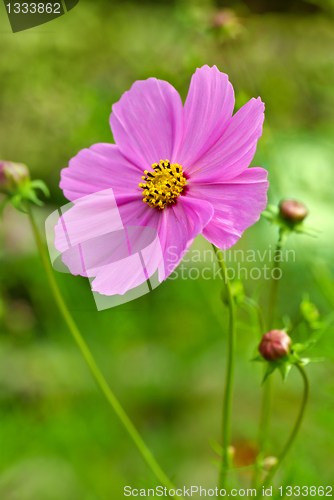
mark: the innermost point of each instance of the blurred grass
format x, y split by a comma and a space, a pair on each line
163, 353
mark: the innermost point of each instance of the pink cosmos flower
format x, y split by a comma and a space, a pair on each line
181, 170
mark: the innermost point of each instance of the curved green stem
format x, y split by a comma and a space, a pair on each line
92, 365
227, 402
295, 429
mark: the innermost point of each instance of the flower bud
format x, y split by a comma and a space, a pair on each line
223, 17
292, 211
269, 462
275, 345
12, 175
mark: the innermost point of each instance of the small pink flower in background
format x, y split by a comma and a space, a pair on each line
179, 170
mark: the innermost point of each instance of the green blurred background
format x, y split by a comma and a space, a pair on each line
164, 353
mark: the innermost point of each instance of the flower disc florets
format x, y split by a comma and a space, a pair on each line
163, 185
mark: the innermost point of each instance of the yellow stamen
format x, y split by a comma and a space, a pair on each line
163, 185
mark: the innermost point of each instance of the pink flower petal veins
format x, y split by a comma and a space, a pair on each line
207, 111
235, 149
237, 205
147, 122
222, 198
100, 167
177, 225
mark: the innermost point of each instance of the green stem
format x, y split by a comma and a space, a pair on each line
295, 430
92, 365
227, 401
266, 408
255, 306
267, 395
273, 295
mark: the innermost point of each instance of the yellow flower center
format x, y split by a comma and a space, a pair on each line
164, 185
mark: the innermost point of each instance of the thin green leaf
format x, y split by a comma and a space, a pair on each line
216, 447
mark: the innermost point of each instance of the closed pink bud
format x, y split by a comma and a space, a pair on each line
292, 211
275, 345
223, 17
12, 175
3, 178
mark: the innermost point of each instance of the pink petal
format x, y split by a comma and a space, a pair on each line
179, 226
235, 149
119, 277
100, 167
90, 217
147, 122
176, 225
208, 108
237, 205
93, 242
141, 259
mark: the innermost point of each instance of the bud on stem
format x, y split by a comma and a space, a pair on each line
19, 189
12, 176
292, 211
275, 345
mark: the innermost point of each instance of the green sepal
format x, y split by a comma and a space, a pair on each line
306, 361
39, 184
16, 201
293, 357
31, 196
271, 367
283, 365
285, 368
306, 229
26, 191
259, 359
272, 214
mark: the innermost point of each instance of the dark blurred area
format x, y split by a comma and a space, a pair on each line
164, 353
